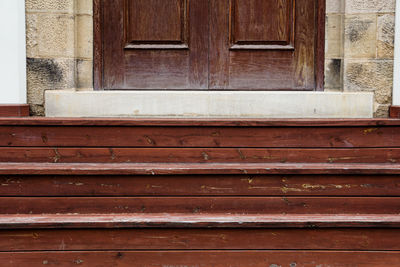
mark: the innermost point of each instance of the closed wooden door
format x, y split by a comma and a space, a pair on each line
207, 44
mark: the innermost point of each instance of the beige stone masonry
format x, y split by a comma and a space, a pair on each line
59, 47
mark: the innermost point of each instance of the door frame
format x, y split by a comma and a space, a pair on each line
98, 45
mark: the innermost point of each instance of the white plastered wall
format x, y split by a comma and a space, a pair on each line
12, 52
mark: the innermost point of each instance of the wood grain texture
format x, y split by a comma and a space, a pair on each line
17, 110
196, 221
156, 21
238, 137
262, 24
320, 47
207, 52
142, 192
200, 185
198, 155
203, 258
373, 239
97, 45
155, 44
258, 68
200, 205
194, 168
112, 53
395, 112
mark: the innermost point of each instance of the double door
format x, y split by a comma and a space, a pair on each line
208, 44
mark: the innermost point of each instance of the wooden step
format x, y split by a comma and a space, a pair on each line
256, 238
198, 155
179, 220
201, 205
200, 133
241, 185
195, 168
220, 258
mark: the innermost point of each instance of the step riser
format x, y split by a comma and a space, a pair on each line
205, 258
178, 239
199, 155
201, 205
199, 185
184, 136
184, 193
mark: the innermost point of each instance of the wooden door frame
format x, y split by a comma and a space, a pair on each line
98, 45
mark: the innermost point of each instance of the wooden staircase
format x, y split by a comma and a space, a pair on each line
237, 193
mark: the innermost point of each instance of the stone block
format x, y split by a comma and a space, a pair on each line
333, 74
203, 104
84, 35
55, 35
360, 36
334, 6
84, 72
64, 6
334, 36
37, 110
385, 35
48, 74
31, 35
381, 110
84, 7
371, 75
369, 6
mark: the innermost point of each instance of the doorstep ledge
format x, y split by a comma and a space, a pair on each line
206, 104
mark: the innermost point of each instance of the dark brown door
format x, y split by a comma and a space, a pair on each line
208, 44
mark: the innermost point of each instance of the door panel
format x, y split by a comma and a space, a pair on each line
147, 27
271, 47
260, 24
155, 44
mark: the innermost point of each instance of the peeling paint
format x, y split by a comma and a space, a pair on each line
370, 130
205, 156
310, 186
78, 261
57, 156
149, 140
243, 157
113, 157
288, 189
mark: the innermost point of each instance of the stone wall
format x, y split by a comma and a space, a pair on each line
359, 48
59, 47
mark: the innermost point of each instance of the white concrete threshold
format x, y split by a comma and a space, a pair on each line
206, 104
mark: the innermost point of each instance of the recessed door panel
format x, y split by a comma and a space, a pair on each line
261, 24
156, 24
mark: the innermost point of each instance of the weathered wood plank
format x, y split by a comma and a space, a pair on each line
176, 239
247, 122
203, 258
163, 220
195, 168
166, 136
200, 185
198, 155
198, 205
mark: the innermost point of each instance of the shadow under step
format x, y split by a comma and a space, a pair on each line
160, 220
